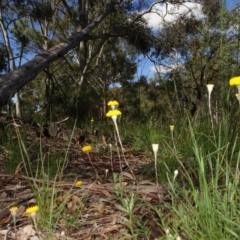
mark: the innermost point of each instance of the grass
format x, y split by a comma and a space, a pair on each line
203, 198
204, 202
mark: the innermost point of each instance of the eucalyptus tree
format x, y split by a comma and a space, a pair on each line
107, 56
15, 48
192, 52
86, 22
114, 65
47, 24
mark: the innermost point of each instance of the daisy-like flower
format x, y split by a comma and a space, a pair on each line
86, 149
32, 211
13, 211
113, 104
171, 127
235, 81
112, 113
78, 183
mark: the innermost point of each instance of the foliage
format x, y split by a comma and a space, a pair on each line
202, 198
3, 57
191, 52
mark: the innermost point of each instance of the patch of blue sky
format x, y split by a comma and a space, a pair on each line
161, 14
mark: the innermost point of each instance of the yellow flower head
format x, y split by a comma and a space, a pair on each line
13, 209
86, 149
171, 127
113, 103
234, 81
111, 113
92, 120
32, 210
78, 183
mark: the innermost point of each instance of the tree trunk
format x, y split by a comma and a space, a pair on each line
11, 61
17, 79
48, 97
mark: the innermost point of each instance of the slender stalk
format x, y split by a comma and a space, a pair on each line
155, 166
119, 156
210, 88
96, 172
120, 142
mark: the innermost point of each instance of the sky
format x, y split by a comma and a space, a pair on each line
232, 3
145, 66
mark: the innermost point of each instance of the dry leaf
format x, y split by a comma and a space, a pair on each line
18, 168
28, 229
5, 216
106, 193
3, 195
4, 232
34, 238
32, 201
21, 211
128, 175
62, 197
72, 204
100, 207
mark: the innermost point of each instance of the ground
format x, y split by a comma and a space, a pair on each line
108, 204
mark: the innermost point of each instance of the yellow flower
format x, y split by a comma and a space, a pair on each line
78, 183
171, 127
234, 81
111, 113
13, 211
113, 103
32, 210
86, 148
92, 120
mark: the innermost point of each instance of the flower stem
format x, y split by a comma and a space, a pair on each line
156, 172
35, 223
211, 118
96, 173
120, 142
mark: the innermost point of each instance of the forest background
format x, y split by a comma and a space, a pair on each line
188, 52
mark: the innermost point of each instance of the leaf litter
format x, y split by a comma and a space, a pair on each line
93, 204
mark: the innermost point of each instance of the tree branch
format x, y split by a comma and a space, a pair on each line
17, 79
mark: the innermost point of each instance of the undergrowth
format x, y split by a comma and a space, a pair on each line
199, 168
